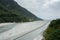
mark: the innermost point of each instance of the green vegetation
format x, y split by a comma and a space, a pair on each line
53, 31
10, 11
12, 18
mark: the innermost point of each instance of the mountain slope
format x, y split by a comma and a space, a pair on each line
10, 11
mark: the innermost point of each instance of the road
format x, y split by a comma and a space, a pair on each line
24, 31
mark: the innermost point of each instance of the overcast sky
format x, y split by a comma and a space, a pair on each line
45, 9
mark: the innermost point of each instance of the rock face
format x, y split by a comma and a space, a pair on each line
11, 8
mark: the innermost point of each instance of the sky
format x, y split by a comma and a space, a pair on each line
45, 9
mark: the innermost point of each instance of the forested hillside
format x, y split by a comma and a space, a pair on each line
10, 11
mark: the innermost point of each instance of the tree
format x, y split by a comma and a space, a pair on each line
53, 30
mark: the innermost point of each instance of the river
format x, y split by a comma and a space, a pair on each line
24, 31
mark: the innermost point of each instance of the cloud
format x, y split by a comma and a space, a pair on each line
48, 2
46, 9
